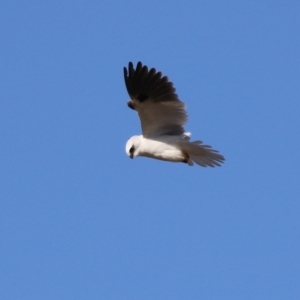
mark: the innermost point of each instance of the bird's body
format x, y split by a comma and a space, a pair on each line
162, 117
162, 148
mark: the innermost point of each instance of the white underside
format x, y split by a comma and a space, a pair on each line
167, 149
175, 149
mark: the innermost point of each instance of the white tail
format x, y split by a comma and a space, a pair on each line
200, 154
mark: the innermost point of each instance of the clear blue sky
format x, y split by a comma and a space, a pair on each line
81, 220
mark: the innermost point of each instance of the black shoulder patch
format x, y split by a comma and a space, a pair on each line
142, 97
130, 104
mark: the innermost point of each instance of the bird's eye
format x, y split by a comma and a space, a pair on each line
131, 151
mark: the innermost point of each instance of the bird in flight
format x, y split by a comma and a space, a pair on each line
162, 117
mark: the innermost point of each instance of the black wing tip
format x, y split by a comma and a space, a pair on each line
139, 65
131, 66
125, 73
129, 74
143, 83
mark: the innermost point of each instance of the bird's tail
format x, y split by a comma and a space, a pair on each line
200, 154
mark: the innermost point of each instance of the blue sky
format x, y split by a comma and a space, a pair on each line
80, 220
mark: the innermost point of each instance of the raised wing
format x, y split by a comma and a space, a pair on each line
154, 98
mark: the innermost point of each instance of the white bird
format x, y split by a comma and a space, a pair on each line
162, 117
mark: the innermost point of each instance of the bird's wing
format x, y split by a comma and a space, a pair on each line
154, 98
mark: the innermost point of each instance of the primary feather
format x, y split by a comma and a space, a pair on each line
154, 98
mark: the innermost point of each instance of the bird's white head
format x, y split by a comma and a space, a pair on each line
132, 146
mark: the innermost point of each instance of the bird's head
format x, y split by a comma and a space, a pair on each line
132, 146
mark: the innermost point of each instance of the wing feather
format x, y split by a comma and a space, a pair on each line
153, 97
